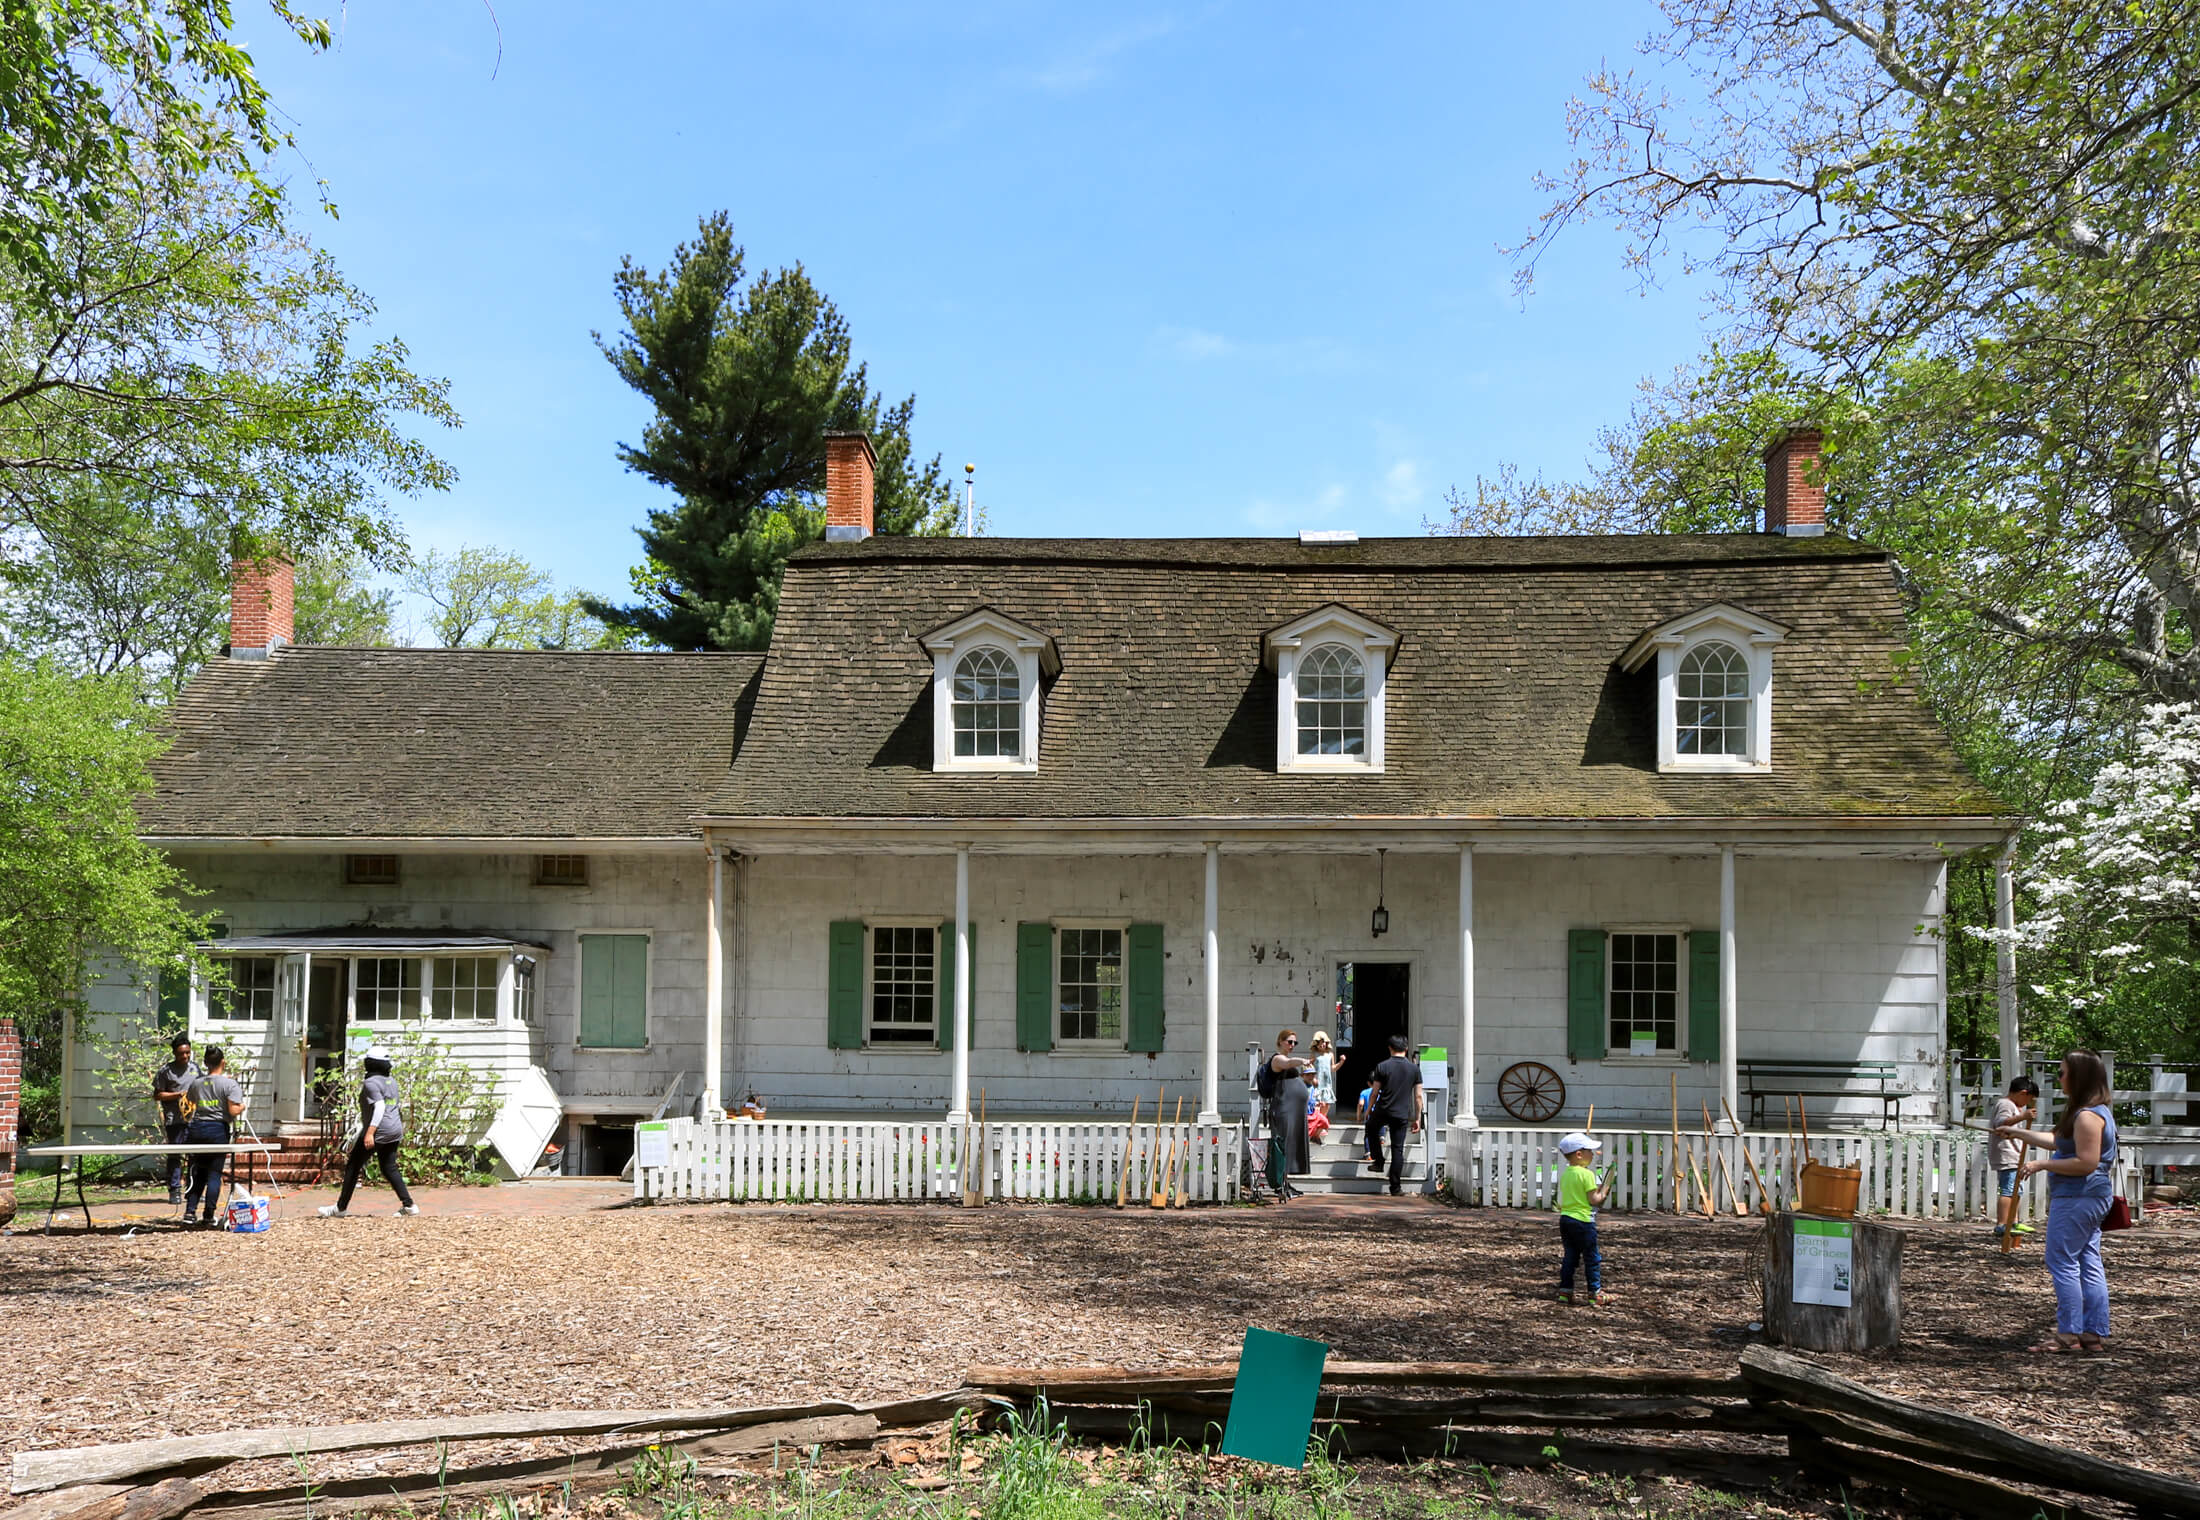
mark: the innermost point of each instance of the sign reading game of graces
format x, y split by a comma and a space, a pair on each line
1822, 1261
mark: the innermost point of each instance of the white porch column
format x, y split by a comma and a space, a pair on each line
1730, 1085
2005, 964
1210, 1080
714, 985
1462, 1114
958, 1099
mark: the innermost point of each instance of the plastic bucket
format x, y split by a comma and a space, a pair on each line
248, 1215
1830, 1189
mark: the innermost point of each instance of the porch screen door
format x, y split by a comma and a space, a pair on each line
293, 1074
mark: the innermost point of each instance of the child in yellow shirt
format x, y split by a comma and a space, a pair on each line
1580, 1192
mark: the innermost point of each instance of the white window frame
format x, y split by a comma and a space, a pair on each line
1122, 927
1751, 636
353, 987
1034, 656
202, 1013
1678, 1056
1285, 647
497, 1002
942, 995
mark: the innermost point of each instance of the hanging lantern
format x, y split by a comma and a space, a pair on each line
1379, 925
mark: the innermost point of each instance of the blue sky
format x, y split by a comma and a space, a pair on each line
1221, 269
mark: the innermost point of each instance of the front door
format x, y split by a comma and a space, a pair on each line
1372, 1001
293, 974
324, 1037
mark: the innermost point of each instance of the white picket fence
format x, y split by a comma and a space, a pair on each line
1929, 1175
894, 1161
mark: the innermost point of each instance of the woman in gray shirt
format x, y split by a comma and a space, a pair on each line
381, 1131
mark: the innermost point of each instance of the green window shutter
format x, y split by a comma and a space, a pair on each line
844, 985
943, 1012
175, 1000
1703, 995
1585, 1014
1144, 954
615, 990
1034, 986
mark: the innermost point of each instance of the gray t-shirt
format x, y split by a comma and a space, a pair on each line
211, 1096
383, 1090
2008, 1154
168, 1077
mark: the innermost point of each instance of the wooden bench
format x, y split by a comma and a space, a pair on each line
1824, 1079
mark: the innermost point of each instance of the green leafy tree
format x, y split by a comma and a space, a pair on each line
746, 378
492, 599
335, 602
1975, 221
74, 877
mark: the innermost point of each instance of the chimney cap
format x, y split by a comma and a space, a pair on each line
1783, 436
868, 448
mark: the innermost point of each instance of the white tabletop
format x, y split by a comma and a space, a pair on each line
226, 1148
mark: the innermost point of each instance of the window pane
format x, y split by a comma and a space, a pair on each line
1711, 702
385, 989
250, 989
1644, 989
1332, 703
988, 706
902, 985
464, 987
1092, 984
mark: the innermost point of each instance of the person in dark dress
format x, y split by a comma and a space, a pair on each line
1287, 1148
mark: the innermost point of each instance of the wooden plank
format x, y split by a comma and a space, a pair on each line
1130, 1382
1798, 1381
1840, 1427
1977, 1497
36, 1471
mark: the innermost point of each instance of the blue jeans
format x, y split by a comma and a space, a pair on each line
206, 1171
174, 1129
2073, 1254
1579, 1237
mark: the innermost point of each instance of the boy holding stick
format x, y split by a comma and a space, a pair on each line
2010, 1111
1580, 1192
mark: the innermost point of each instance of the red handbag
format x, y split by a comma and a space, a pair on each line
2118, 1216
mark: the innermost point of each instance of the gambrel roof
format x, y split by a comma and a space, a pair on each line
341, 743
1506, 699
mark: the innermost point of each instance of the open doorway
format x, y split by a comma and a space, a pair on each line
325, 1037
1371, 1006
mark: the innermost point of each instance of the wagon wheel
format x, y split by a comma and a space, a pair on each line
1531, 1092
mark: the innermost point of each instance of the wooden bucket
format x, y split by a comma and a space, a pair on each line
1830, 1190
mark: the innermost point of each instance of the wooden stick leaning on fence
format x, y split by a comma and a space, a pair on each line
1153, 1157
1764, 1194
1183, 1181
1166, 1179
1130, 1146
1674, 1081
1708, 1194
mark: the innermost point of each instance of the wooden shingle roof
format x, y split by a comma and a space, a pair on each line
448, 743
1505, 699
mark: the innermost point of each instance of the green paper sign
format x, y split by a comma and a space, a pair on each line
1272, 1404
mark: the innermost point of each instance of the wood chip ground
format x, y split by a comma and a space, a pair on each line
166, 1333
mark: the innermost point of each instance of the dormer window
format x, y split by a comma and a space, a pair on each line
986, 671
1331, 667
1714, 688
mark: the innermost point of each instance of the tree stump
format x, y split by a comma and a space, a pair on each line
1849, 1297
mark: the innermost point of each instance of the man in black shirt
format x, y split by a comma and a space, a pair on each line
1398, 1105
170, 1083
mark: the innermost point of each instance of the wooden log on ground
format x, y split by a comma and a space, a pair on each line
36, 1471
1872, 1319
826, 1430
1093, 1383
1850, 1431
1590, 1411
1778, 1375
1982, 1498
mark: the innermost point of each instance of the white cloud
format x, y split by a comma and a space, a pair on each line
1402, 484
1198, 345
1089, 63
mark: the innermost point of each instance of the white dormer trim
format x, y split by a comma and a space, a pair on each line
1723, 623
1282, 651
1034, 653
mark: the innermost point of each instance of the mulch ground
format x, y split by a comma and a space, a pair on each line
324, 1321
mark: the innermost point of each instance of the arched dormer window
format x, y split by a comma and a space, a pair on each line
1714, 690
986, 670
1332, 703
1332, 666
988, 706
1711, 702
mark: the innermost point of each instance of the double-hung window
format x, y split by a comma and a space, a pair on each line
463, 987
385, 988
904, 991
986, 674
1714, 688
1089, 986
242, 987
1643, 993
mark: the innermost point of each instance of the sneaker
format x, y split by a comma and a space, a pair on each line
406, 1211
1998, 1231
331, 1211
1565, 1297
2024, 1229
175, 1198
1595, 1300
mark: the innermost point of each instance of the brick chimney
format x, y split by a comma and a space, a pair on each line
262, 596
851, 470
1794, 505
11, 1112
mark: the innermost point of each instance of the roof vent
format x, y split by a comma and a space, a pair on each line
1328, 536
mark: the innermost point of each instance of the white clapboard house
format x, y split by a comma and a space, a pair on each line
1636, 811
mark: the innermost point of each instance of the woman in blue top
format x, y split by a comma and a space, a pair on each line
2080, 1187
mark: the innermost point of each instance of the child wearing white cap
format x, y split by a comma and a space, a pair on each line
1580, 1192
381, 1131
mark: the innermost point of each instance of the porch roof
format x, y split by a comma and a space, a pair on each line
368, 942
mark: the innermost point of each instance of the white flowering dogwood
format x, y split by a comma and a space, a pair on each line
2110, 869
